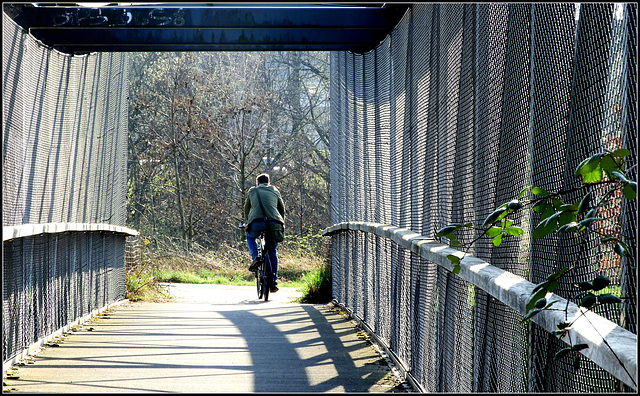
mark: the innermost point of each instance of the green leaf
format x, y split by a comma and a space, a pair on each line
456, 269
538, 287
541, 303
620, 176
571, 227
494, 231
568, 207
590, 169
540, 206
621, 153
585, 285
446, 230
588, 300
583, 206
608, 164
553, 285
454, 259
534, 299
561, 353
600, 282
515, 231
523, 192
506, 223
530, 315
621, 249
586, 222
557, 203
455, 243
629, 190
558, 274
591, 163
580, 166
514, 205
554, 217
576, 362
608, 298
566, 218
548, 212
580, 295
545, 228
497, 240
579, 347
594, 176
541, 192
563, 325
494, 216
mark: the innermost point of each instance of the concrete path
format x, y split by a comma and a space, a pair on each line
211, 338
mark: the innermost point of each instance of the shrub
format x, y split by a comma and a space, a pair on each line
317, 288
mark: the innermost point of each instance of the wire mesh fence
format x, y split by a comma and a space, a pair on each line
64, 161
458, 110
51, 280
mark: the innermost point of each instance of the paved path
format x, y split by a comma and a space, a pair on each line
211, 339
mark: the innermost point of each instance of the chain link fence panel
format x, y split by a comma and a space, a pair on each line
458, 110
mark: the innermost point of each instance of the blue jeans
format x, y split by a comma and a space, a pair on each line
253, 232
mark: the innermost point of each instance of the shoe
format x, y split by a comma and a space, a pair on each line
274, 287
255, 264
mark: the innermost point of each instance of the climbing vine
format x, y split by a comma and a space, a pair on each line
604, 179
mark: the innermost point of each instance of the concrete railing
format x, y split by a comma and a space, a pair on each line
619, 358
25, 230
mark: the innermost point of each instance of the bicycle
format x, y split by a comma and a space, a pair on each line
263, 274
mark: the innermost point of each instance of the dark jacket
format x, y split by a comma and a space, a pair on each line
271, 201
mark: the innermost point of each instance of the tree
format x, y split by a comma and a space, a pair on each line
304, 93
203, 125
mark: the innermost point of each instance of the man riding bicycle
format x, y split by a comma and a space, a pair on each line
264, 197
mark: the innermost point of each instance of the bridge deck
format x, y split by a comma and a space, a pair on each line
211, 339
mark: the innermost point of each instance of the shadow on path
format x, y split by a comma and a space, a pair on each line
306, 350
229, 346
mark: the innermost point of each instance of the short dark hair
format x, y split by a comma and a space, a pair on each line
262, 178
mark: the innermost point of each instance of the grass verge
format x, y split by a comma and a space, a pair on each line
316, 286
298, 268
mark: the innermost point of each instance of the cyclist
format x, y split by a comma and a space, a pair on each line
264, 195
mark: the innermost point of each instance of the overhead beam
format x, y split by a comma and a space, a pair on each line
194, 27
106, 39
212, 17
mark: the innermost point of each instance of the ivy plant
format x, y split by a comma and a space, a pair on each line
608, 172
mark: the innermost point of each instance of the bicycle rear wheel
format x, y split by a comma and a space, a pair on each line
259, 283
265, 287
266, 270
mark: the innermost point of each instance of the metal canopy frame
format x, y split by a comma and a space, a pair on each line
119, 27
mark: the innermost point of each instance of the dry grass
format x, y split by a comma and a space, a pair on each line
227, 265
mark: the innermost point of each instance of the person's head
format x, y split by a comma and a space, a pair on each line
262, 178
